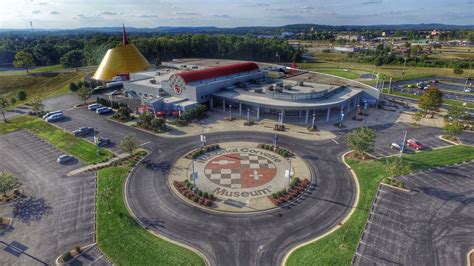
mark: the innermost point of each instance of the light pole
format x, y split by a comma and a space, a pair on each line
230, 111
194, 177
96, 141
289, 173
203, 140
403, 143
366, 105
179, 113
280, 117
248, 115
314, 121
275, 140
342, 119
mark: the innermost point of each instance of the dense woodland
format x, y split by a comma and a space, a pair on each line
88, 49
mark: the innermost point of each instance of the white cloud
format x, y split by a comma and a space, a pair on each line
36, 12
185, 13
109, 13
52, 12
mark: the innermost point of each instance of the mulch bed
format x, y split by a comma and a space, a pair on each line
367, 157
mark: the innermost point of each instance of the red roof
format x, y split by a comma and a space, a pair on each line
214, 72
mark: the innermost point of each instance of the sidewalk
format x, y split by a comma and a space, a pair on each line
98, 165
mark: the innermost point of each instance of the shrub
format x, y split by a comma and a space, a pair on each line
280, 193
196, 199
284, 153
200, 193
21, 95
78, 249
67, 256
274, 195
211, 196
1, 220
205, 195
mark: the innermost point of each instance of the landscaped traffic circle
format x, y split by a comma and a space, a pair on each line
238, 177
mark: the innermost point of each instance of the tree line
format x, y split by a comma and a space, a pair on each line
80, 50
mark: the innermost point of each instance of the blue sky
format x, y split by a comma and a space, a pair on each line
228, 13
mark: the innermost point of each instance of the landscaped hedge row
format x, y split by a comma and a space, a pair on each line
297, 187
186, 189
203, 150
283, 152
130, 161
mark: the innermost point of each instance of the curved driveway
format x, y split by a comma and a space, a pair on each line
255, 239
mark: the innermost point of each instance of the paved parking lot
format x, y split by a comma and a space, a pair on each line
432, 225
393, 132
82, 117
57, 212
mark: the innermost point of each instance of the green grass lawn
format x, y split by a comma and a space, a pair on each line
122, 239
34, 70
393, 71
41, 86
340, 73
81, 149
339, 247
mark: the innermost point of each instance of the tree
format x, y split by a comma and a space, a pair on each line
456, 112
431, 100
84, 94
73, 87
362, 141
3, 107
128, 144
21, 95
106, 196
396, 166
8, 182
457, 70
417, 117
145, 120
123, 113
454, 128
158, 61
24, 60
73, 59
37, 106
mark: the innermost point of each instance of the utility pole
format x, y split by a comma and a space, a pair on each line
403, 71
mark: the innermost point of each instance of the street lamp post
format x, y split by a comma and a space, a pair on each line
314, 121
96, 141
403, 143
230, 111
194, 177
342, 119
248, 115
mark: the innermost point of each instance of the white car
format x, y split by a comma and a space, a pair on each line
94, 106
395, 146
52, 113
54, 117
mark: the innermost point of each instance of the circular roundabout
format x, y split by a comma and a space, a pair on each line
239, 177
266, 232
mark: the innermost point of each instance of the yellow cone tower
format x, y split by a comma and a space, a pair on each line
123, 59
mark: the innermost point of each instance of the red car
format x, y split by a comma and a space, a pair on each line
415, 144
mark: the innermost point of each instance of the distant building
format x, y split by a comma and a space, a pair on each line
350, 37
343, 49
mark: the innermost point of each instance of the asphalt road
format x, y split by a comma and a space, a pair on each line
257, 239
432, 225
58, 211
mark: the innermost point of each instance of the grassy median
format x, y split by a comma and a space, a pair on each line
122, 239
339, 247
81, 149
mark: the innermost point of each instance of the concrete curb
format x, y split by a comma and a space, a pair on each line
84, 248
447, 140
8, 226
334, 228
127, 205
469, 257
394, 187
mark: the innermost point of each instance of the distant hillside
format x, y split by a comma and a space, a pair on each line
246, 30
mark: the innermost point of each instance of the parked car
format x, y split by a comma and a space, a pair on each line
55, 117
94, 106
82, 131
467, 90
102, 141
64, 159
52, 113
395, 146
103, 110
434, 81
415, 144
